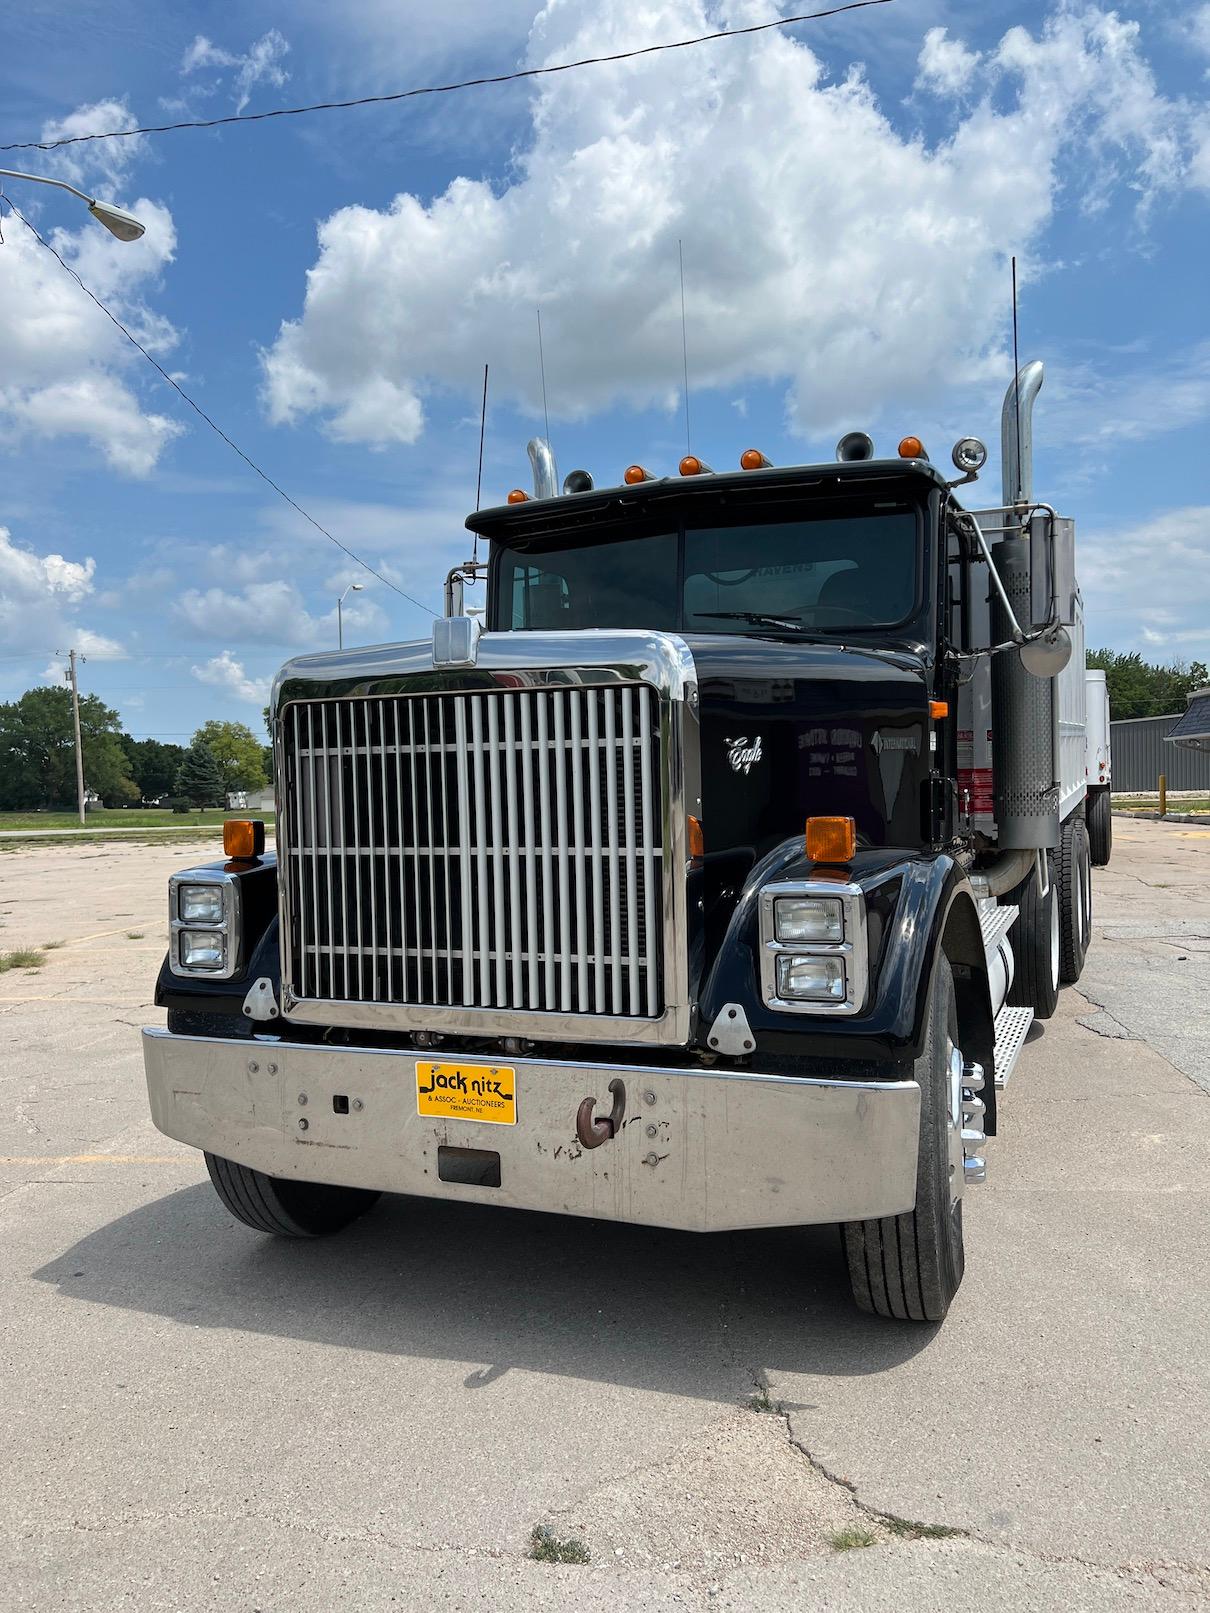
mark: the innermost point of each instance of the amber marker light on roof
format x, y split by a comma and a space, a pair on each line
691, 465
518, 496
912, 448
753, 459
634, 474
831, 840
243, 839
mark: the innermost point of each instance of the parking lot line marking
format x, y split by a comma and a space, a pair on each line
94, 1159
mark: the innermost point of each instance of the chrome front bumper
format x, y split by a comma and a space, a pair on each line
702, 1150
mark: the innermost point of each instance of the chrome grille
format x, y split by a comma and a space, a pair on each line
497, 849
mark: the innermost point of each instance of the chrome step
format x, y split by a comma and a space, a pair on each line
1012, 1027
995, 922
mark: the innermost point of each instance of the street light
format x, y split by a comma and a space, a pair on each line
353, 588
115, 219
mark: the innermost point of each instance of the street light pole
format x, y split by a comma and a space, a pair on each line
353, 588
115, 219
75, 717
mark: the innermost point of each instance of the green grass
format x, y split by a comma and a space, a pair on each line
23, 958
134, 935
121, 818
1151, 803
763, 1401
852, 1538
546, 1547
907, 1530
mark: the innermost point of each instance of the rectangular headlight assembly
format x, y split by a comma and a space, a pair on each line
203, 924
813, 947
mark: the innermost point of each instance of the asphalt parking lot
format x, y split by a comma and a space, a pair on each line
197, 1417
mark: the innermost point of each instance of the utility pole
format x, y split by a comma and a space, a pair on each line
75, 717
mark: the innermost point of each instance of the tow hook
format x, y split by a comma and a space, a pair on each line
593, 1132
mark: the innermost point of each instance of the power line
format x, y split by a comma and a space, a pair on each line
441, 89
201, 413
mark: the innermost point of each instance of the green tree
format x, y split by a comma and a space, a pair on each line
37, 751
237, 751
200, 779
153, 765
1139, 689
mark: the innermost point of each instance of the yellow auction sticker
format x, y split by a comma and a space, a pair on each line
467, 1092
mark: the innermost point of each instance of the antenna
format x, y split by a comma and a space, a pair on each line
680, 252
542, 373
479, 478
1016, 377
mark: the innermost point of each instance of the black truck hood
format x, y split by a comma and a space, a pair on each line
793, 730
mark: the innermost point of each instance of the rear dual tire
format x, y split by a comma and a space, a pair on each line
1075, 899
285, 1209
1099, 812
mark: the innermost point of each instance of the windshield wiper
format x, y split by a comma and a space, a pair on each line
757, 617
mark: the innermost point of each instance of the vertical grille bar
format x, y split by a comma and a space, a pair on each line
560, 761
482, 917
401, 831
615, 904
632, 934
327, 984
576, 761
512, 831
530, 831
649, 870
461, 762
495, 848
598, 873
548, 906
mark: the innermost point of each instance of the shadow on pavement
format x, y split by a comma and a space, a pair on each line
678, 1312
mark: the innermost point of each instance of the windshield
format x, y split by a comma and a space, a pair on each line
813, 574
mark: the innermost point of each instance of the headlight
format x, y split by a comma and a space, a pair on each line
204, 923
814, 953
203, 950
200, 904
808, 918
813, 978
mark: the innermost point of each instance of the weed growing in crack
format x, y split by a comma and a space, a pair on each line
546, 1547
52, 946
134, 935
763, 1401
906, 1529
23, 958
852, 1538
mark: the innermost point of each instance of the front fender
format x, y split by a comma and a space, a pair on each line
918, 904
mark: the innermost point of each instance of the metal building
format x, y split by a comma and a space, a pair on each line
1140, 755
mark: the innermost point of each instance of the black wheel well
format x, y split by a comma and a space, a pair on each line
962, 944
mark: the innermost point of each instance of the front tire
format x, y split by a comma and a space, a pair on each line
1036, 941
908, 1267
1099, 812
283, 1208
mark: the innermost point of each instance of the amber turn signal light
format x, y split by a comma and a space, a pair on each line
243, 839
912, 448
697, 839
518, 496
831, 840
939, 709
753, 459
634, 474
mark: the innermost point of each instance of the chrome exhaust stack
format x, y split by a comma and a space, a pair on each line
546, 472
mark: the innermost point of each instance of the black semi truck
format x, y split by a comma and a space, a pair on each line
713, 880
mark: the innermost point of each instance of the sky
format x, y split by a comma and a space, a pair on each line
846, 195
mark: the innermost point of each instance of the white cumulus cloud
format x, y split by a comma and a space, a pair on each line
38, 593
261, 63
1145, 585
225, 672
945, 64
825, 250
65, 370
274, 613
